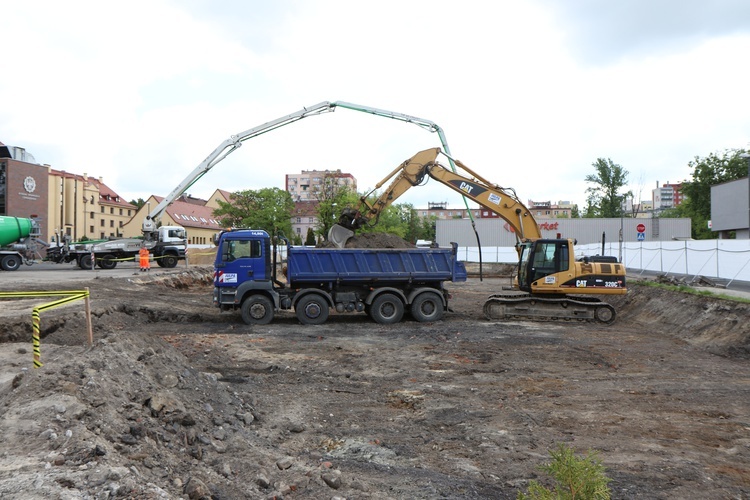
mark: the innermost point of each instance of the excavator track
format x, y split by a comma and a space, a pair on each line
499, 307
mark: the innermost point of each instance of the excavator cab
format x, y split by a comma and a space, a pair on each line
541, 259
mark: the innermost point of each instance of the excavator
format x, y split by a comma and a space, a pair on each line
550, 282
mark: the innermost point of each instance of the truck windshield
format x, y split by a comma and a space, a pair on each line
240, 249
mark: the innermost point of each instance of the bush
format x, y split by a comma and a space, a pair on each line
577, 478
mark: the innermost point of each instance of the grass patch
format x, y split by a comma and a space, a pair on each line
691, 290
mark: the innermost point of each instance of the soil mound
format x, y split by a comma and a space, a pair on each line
373, 240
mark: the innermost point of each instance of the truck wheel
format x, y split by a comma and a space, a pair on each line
169, 261
257, 310
427, 307
108, 262
386, 309
312, 309
10, 262
85, 262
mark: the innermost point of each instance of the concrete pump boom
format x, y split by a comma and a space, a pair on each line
227, 147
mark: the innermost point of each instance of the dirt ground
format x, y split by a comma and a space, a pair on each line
177, 400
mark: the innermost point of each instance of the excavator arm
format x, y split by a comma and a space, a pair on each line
554, 284
414, 172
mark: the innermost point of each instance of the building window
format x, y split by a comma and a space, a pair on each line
111, 223
102, 224
91, 230
121, 211
310, 220
299, 220
102, 209
91, 215
112, 210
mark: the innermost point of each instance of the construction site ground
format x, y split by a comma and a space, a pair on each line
177, 400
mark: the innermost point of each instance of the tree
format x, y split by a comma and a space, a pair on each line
269, 209
310, 237
604, 198
706, 172
332, 197
138, 203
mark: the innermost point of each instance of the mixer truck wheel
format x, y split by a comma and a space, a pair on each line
386, 309
169, 261
10, 262
427, 307
108, 262
85, 262
257, 310
312, 309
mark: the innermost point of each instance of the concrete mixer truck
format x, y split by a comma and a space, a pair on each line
18, 242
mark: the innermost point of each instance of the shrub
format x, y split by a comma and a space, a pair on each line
577, 478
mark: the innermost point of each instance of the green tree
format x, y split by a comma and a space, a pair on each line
310, 237
706, 172
604, 198
138, 203
269, 209
332, 197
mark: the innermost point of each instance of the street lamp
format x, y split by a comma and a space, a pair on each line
746, 156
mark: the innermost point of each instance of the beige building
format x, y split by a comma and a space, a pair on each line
441, 211
305, 185
304, 217
549, 210
194, 214
83, 207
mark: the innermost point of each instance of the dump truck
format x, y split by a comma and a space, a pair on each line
18, 242
383, 283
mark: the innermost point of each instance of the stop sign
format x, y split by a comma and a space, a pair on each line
641, 228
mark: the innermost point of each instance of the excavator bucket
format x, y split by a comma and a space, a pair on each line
339, 235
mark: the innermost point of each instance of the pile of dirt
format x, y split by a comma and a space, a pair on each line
373, 240
177, 400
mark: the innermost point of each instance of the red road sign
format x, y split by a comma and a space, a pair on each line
641, 228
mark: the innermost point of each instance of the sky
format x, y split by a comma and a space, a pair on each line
529, 93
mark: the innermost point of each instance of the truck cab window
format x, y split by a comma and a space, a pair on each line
240, 249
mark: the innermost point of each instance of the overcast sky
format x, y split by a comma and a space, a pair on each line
529, 93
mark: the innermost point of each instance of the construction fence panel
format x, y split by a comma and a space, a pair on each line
723, 259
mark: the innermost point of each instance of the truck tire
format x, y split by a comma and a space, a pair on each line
10, 262
257, 310
85, 261
108, 262
169, 261
386, 309
427, 306
312, 309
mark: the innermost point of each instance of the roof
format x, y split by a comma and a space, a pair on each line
305, 209
191, 215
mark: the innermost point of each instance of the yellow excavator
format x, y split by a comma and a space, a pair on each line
550, 282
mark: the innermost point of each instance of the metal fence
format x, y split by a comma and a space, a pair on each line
723, 259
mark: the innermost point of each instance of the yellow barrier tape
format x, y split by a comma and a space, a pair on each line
134, 258
70, 296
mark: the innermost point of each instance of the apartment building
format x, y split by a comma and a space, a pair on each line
307, 185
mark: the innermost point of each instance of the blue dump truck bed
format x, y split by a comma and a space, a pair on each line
358, 265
